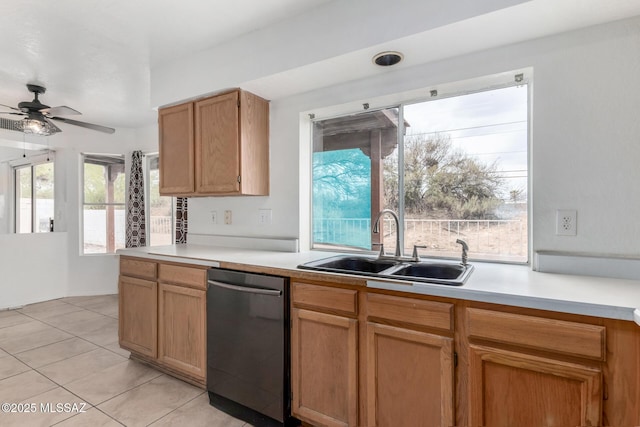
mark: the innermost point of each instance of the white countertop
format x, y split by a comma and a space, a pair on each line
515, 285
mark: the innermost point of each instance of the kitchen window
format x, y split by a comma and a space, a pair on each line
103, 207
160, 209
453, 168
34, 196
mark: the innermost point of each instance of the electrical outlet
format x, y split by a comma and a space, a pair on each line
566, 222
214, 217
227, 217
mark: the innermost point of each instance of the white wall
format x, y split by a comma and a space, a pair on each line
585, 151
585, 146
38, 267
4, 197
94, 274
32, 268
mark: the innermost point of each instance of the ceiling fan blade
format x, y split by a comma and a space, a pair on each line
9, 106
62, 110
84, 125
15, 114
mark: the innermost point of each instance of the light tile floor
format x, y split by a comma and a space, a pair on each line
60, 360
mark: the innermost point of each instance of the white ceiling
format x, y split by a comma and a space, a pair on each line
96, 56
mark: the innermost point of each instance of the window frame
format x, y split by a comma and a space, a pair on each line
83, 157
149, 157
451, 90
31, 163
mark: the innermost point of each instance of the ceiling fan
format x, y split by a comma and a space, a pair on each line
38, 117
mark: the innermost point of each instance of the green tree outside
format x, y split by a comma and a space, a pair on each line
441, 181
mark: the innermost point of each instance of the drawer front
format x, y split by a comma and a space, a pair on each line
410, 310
137, 267
325, 298
558, 336
183, 275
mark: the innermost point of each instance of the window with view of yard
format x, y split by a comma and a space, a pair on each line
452, 168
103, 205
160, 208
34, 197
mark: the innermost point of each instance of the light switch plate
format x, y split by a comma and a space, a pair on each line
264, 216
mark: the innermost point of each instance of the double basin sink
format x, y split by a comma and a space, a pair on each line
430, 271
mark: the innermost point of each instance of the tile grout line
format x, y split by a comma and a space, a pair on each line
68, 332
73, 335
175, 409
99, 346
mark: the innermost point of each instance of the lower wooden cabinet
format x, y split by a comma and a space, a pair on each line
362, 358
409, 377
367, 358
530, 370
162, 316
510, 388
181, 329
138, 315
324, 368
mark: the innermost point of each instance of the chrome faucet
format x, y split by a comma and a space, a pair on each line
376, 229
465, 250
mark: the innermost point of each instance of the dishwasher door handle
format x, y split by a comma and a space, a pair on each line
261, 291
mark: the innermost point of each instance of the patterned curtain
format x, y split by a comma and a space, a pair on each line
136, 233
181, 220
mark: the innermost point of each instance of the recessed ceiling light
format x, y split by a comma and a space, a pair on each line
388, 58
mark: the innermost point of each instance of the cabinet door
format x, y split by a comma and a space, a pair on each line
138, 320
176, 147
181, 334
324, 368
409, 377
254, 143
218, 145
516, 389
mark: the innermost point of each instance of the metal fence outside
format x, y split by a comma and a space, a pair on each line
491, 239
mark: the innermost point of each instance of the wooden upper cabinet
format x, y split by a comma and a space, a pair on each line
229, 146
176, 148
217, 144
254, 145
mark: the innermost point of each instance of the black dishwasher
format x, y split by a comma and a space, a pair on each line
248, 366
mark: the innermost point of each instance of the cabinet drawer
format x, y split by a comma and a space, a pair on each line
410, 310
558, 336
325, 298
182, 275
138, 268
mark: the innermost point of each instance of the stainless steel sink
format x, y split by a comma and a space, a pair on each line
440, 272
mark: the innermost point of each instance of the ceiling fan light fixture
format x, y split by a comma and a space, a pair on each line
38, 116
387, 58
36, 127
